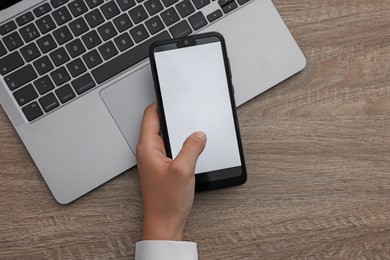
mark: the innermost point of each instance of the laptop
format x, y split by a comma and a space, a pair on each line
75, 76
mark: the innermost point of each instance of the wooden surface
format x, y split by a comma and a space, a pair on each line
318, 156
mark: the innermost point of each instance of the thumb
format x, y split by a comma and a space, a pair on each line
193, 146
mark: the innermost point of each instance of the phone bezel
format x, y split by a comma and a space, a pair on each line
213, 179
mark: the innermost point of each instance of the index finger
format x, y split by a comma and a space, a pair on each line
151, 121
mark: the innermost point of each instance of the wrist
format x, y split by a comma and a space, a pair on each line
156, 229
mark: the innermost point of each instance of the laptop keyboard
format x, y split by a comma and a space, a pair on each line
62, 49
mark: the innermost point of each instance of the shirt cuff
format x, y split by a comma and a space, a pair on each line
165, 249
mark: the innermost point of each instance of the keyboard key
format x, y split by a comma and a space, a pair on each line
7, 28
229, 7
170, 16
58, 3
107, 31
49, 102
76, 67
214, 15
138, 14
125, 4
169, 2
197, 21
75, 48
25, 18
62, 35
32, 111
46, 24
62, 16
30, 52
108, 50
78, 26
29, 32
25, 95
43, 65
241, 2
154, 25
123, 41
65, 93
92, 59
77, 7
122, 22
46, 43
83, 84
44, 85
60, 76
10, 63
200, 3
94, 3
91, 39
59, 56
94, 18
110, 9
153, 6
41, 10
20, 77
224, 2
3, 51
139, 33
185, 8
127, 59
13, 41
181, 29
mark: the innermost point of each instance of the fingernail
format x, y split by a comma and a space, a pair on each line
201, 136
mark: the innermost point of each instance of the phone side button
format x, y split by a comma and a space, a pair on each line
230, 70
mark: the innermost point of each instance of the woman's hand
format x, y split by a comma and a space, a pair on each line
167, 185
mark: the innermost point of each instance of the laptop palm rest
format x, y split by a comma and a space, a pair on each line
127, 99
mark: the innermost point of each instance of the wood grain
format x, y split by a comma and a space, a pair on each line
318, 154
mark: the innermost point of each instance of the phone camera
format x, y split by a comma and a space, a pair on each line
185, 43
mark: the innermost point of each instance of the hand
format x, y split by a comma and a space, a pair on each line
167, 185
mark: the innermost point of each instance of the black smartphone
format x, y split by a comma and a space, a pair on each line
194, 92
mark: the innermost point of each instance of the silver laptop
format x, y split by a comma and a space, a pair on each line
75, 77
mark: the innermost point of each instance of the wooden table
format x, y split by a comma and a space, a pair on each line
318, 155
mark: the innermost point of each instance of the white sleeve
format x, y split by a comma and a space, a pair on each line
165, 250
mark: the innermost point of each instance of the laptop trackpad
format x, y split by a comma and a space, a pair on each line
127, 99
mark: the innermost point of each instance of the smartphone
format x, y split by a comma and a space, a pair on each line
194, 92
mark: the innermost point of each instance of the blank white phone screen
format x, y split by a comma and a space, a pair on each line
195, 97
